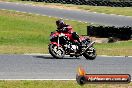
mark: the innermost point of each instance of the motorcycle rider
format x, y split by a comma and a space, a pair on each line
63, 27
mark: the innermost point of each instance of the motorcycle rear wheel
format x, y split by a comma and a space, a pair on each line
90, 55
56, 51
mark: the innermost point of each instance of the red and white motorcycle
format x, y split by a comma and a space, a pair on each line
62, 44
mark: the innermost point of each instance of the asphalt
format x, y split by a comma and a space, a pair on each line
103, 19
46, 67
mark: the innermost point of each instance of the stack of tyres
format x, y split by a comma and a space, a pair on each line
91, 30
123, 33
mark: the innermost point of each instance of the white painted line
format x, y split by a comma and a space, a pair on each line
30, 13
47, 15
80, 21
109, 14
6, 2
42, 79
68, 55
36, 54
3, 9
67, 9
66, 19
17, 3
37, 14
112, 56
94, 12
19, 11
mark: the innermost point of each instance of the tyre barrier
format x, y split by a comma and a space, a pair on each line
111, 3
122, 33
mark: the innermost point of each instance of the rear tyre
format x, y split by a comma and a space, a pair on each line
56, 51
90, 54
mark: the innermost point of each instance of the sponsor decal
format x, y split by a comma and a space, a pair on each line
83, 78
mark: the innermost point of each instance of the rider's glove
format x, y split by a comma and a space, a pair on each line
64, 29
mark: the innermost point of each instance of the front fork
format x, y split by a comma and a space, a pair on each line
89, 45
58, 43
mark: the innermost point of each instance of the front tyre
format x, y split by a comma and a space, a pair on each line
56, 51
90, 54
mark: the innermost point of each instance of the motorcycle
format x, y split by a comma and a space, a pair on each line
62, 44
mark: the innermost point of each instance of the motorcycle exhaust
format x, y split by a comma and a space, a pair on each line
89, 45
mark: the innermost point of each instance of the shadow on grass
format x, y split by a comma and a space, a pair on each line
50, 57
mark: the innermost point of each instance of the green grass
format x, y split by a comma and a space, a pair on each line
101, 9
57, 84
27, 33
108, 10
120, 48
11, 0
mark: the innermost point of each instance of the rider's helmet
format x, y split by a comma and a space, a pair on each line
60, 23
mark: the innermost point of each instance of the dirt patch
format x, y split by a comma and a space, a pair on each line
62, 7
104, 40
98, 40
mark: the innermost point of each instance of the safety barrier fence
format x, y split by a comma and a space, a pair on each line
123, 33
116, 3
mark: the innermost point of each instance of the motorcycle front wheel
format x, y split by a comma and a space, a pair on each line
56, 51
90, 54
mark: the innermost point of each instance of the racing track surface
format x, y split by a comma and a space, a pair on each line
46, 67
98, 18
